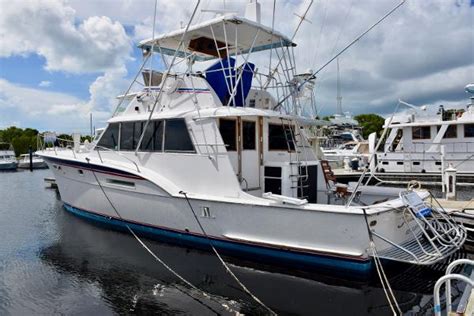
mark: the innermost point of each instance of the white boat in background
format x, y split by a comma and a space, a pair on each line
422, 143
7, 157
211, 156
37, 162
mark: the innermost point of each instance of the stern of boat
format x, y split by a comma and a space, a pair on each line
431, 233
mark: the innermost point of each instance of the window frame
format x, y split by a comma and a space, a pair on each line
254, 147
284, 127
235, 134
471, 126
446, 133
428, 128
186, 128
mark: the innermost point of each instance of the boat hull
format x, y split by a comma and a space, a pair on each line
244, 250
8, 165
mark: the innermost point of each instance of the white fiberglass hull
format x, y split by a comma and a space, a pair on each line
334, 239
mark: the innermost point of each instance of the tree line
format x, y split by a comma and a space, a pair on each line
24, 139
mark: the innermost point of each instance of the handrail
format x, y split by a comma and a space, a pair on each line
447, 278
449, 269
117, 153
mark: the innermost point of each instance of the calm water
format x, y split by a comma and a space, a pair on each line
54, 263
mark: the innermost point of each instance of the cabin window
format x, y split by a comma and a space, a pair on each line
130, 133
153, 138
416, 163
177, 137
421, 132
399, 162
110, 137
468, 130
228, 130
451, 132
248, 135
280, 137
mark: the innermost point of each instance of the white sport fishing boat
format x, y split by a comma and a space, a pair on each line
7, 157
36, 161
213, 157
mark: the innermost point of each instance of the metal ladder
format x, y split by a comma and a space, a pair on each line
299, 170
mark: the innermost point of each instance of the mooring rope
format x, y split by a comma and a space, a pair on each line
142, 243
222, 260
381, 273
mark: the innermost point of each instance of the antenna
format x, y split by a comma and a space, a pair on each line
339, 97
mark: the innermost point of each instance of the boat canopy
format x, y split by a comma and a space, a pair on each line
218, 38
223, 112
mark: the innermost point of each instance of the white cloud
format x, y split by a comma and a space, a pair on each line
44, 84
49, 29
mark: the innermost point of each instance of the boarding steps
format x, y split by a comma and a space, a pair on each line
434, 234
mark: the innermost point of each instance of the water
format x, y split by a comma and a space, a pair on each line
52, 262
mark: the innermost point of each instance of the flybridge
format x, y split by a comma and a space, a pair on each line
218, 38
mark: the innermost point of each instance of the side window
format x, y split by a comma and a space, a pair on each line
228, 131
177, 136
421, 132
109, 137
468, 130
130, 133
248, 135
280, 137
153, 138
451, 132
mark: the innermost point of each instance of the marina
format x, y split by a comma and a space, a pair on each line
213, 185
48, 256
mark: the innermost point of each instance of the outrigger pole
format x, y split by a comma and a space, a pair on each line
313, 76
166, 75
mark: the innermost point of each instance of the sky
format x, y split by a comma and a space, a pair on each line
62, 60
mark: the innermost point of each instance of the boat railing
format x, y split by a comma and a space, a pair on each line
68, 144
447, 279
99, 148
426, 147
434, 234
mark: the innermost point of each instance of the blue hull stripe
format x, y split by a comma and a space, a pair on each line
254, 252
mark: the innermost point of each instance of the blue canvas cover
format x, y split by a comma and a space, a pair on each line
244, 85
218, 74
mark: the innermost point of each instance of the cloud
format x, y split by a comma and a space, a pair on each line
44, 84
49, 29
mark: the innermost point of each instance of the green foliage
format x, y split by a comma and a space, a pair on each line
327, 118
370, 123
21, 139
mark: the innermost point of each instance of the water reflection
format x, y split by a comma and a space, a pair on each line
129, 278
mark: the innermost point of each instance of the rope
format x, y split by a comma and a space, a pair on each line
222, 260
380, 271
205, 294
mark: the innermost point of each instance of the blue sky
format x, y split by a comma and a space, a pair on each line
61, 60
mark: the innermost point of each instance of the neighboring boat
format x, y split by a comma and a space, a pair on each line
210, 156
37, 162
354, 153
422, 143
7, 157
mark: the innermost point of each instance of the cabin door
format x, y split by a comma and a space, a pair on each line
248, 146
